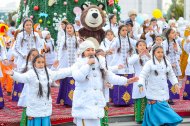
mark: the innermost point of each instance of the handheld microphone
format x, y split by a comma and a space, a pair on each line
93, 65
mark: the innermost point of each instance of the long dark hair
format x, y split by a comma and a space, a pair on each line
25, 20
27, 59
110, 18
139, 41
40, 91
51, 44
65, 44
108, 31
153, 54
130, 46
155, 39
167, 38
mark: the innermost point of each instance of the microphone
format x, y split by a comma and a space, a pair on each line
93, 65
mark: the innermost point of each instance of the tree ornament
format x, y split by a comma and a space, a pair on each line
43, 15
36, 8
55, 14
110, 2
24, 1
40, 21
76, 1
18, 20
115, 11
31, 16
51, 2
116, 1
65, 3
64, 14
48, 22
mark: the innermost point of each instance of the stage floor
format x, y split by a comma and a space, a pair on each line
11, 114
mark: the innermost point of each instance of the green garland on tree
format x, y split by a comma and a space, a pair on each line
49, 13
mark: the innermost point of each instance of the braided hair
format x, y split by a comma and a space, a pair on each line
108, 31
167, 38
26, 20
27, 59
65, 44
153, 57
110, 18
40, 91
139, 41
130, 46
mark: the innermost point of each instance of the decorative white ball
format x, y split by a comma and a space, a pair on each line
65, 3
55, 14
114, 11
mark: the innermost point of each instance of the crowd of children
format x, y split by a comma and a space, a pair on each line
135, 64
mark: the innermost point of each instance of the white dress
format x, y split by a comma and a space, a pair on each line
114, 28
23, 48
173, 56
51, 55
67, 56
105, 46
121, 58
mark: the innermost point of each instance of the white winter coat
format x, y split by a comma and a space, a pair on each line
157, 86
134, 60
39, 106
88, 99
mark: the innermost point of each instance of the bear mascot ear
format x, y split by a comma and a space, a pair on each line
101, 6
84, 6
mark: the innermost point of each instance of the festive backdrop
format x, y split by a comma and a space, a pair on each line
49, 13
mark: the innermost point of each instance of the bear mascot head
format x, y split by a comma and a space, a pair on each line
92, 19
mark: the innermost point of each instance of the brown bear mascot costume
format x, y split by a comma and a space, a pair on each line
92, 19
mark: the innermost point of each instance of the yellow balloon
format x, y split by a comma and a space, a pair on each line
157, 13
40, 20
116, 1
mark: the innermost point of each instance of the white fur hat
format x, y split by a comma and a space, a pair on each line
85, 45
131, 12
44, 34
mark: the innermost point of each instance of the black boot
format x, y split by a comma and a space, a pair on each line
170, 102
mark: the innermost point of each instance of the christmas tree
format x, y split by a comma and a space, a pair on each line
49, 13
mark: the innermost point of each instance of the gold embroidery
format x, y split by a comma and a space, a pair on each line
126, 97
185, 94
173, 90
72, 82
15, 93
1, 99
125, 75
62, 102
187, 82
71, 95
